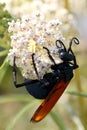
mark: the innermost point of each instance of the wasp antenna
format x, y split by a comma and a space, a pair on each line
73, 40
60, 44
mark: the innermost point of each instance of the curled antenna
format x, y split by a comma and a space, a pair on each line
59, 44
73, 40
76, 41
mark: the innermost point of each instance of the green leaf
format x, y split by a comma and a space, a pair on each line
57, 119
14, 98
3, 53
3, 69
19, 114
77, 94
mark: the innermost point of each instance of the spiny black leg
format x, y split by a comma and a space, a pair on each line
35, 68
27, 82
51, 58
14, 72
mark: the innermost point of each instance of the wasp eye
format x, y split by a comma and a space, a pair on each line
65, 56
61, 53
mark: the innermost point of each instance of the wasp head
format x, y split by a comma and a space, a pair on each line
66, 54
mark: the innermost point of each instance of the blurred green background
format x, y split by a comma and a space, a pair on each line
16, 105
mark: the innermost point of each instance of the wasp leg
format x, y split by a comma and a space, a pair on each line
51, 58
15, 77
34, 65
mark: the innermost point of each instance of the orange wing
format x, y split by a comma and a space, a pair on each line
50, 101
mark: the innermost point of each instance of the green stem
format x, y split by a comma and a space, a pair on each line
81, 100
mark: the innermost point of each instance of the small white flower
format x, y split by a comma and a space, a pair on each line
29, 35
11, 26
38, 15
41, 40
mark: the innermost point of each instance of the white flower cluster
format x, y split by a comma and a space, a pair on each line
28, 36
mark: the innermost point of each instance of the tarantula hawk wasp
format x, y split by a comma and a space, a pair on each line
53, 84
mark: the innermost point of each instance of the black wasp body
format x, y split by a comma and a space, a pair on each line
63, 71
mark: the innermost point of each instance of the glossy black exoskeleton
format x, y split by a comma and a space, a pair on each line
40, 88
